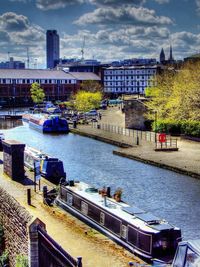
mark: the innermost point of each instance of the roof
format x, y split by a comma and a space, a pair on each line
193, 244
85, 76
45, 74
133, 67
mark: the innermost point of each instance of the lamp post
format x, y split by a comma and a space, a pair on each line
155, 124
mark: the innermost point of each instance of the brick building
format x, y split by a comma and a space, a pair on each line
58, 84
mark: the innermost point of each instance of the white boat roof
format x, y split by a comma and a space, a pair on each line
132, 215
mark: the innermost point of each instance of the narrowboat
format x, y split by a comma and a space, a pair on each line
50, 168
49, 124
140, 232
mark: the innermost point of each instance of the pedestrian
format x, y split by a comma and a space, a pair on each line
99, 115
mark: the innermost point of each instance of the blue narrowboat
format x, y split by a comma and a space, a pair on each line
49, 124
51, 168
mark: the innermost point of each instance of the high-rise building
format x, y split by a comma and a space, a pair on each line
52, 48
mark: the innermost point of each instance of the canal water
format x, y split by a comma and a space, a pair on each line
166, 194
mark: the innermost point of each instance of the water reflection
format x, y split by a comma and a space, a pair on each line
9, 123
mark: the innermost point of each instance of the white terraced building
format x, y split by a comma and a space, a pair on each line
128, 80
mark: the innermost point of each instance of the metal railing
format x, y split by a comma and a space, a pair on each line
135, 134
168, 144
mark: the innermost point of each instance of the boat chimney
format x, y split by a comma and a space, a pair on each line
108, 191
105, 200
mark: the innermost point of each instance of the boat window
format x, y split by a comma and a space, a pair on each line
84, 207
102, 218
69, 199
124, 231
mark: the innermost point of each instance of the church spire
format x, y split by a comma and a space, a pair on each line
162, 56
170, 54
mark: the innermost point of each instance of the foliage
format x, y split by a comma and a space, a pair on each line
91, 86
190, 128
21, 261
4, 259
176, 95
37, 93
84, 101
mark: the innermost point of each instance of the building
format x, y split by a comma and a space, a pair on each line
79, 66
57, 84
12, 64
52, 48
128, 80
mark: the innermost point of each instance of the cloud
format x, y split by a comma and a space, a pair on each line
56, 4
185, 43
12, 22
123, 15
198, 5
17, 33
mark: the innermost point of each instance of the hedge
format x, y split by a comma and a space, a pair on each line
189, 128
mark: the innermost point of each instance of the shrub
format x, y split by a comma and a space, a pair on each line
190, 128
21, 261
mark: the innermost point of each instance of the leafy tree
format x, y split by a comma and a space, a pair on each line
85, 101
37, 93
91, 86
176, 95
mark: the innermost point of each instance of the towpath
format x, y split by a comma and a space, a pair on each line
186, 160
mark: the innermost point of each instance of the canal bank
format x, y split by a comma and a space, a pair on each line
184, 161
71, 234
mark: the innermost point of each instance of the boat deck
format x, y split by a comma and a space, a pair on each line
133, 215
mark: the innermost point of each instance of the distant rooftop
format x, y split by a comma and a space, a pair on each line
46, 74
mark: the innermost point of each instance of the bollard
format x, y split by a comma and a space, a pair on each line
29, 196
74, 124
79, 262
44, 191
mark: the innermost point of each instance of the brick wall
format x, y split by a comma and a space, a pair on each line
14, 219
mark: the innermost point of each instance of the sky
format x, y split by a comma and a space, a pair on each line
112, 29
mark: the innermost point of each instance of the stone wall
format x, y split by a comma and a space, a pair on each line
14, 219
134, 114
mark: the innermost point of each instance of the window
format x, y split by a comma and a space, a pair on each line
124, 231
84, 207
69, 199
102, 218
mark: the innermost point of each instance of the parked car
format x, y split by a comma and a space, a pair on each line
92, 112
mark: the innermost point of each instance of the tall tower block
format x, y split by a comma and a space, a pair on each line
52, 48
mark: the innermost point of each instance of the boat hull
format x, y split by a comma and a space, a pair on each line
53, 124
